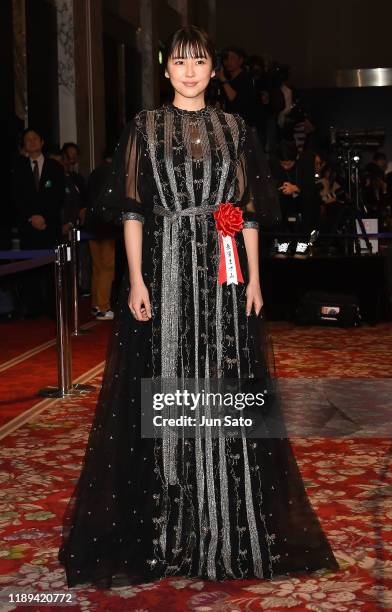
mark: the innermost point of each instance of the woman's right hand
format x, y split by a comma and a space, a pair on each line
139, 302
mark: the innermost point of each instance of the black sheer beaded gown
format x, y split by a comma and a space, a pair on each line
226, 508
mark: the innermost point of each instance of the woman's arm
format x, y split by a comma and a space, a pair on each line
253, 291
139, 300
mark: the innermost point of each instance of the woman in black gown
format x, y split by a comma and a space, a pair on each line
213, 507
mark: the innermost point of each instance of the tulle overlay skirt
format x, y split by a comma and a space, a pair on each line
236, 507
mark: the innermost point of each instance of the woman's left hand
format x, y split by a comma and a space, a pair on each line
253, 298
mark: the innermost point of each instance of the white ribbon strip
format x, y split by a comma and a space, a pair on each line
231, 270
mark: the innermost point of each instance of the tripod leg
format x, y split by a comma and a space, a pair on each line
349, 228
364, 234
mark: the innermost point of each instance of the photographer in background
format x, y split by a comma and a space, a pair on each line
287, 94
298, 125
377, 198
260, 82
379, 163
333, 203
299, 199
238, 92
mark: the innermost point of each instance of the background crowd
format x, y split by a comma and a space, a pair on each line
50, 196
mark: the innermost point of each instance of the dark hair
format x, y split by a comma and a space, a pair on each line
284, 70
379, 155
189, 41
53, 150
255, 60
108, 151
69, 145
376, 173
237, 50
31, 129
287, 151
331, 168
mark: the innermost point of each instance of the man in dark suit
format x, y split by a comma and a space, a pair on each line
38, 194
38, 189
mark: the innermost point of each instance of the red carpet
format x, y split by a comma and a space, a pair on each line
28, 356
19, 336
19, 384
349, 482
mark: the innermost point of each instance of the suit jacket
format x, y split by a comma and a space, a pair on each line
47, 201
74, 198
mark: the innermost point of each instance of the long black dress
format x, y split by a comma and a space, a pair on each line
219, 508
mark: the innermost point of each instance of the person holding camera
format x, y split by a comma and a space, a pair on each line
239, 95
294, 176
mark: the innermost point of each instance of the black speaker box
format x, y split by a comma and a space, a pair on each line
330, 309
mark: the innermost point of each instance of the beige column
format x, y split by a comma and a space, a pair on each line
66, 72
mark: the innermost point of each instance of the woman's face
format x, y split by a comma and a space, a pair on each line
189, 76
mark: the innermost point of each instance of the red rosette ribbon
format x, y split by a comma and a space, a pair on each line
228, 221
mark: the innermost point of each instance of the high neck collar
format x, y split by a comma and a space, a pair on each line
187, 113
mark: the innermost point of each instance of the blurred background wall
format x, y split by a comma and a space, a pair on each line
78, 69
315, 38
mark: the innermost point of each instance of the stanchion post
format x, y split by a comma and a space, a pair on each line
74, 237
72, 257
62, 365
63, 261
73, 254
64, 362
67, 316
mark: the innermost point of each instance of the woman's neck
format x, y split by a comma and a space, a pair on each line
189, 104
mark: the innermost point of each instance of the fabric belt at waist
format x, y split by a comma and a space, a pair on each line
184, 212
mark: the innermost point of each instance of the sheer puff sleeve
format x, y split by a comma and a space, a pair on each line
121, 197
245, 195
257, 194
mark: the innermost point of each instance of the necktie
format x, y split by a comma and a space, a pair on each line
36, 174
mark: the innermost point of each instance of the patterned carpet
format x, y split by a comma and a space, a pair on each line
349, 482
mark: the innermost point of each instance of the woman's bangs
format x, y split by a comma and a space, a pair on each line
189, 49
189, 42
